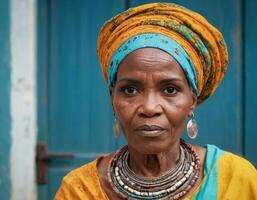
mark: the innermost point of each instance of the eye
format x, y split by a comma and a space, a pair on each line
170, 90
130, 90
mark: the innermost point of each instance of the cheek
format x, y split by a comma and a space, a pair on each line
176, 115
177, 110
125, 112
183, 101
123, 109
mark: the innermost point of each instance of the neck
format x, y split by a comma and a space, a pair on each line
154, 165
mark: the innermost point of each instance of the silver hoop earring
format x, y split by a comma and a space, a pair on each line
116, 129
192, 129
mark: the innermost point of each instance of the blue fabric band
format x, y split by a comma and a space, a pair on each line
156, 41
209, 186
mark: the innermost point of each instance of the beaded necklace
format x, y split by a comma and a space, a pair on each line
172, 185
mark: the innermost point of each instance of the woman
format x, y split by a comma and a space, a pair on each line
160, 61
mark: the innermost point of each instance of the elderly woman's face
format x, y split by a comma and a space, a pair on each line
151, 99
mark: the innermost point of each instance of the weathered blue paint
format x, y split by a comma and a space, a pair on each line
250, 77
5, 122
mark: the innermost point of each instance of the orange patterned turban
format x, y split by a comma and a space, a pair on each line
194, 43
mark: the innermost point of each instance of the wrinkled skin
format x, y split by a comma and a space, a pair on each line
152, 100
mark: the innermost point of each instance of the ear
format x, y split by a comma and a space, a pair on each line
194, 103
111, 97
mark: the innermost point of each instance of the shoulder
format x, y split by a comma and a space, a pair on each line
236, 164
83, 173
230, 175
227, 159
229, 163
237, 177
81, 183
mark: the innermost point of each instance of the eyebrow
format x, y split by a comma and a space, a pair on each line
168, 80
126, 79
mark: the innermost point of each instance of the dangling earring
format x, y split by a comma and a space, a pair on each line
116, 129
192, 130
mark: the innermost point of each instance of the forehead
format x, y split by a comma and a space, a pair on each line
150, 60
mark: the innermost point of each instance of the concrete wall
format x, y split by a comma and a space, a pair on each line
23, 95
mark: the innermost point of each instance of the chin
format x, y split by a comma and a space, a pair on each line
151, 147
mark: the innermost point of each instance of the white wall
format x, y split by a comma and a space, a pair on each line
23, 99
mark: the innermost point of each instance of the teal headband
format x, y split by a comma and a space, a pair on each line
156, 41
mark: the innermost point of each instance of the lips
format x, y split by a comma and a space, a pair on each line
149, 130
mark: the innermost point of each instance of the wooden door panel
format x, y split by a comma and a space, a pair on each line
78, 100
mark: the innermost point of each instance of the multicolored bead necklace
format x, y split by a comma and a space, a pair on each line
171, 185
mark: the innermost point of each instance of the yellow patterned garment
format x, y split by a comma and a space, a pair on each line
202, 42
226, 177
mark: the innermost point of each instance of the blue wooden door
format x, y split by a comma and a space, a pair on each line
75, 115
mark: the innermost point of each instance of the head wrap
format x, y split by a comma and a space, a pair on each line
197, 46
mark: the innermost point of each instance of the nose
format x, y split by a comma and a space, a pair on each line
150, 106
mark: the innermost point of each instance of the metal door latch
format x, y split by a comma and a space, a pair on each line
42, 159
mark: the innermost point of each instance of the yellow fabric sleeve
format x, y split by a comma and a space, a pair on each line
237, 178
82, 183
